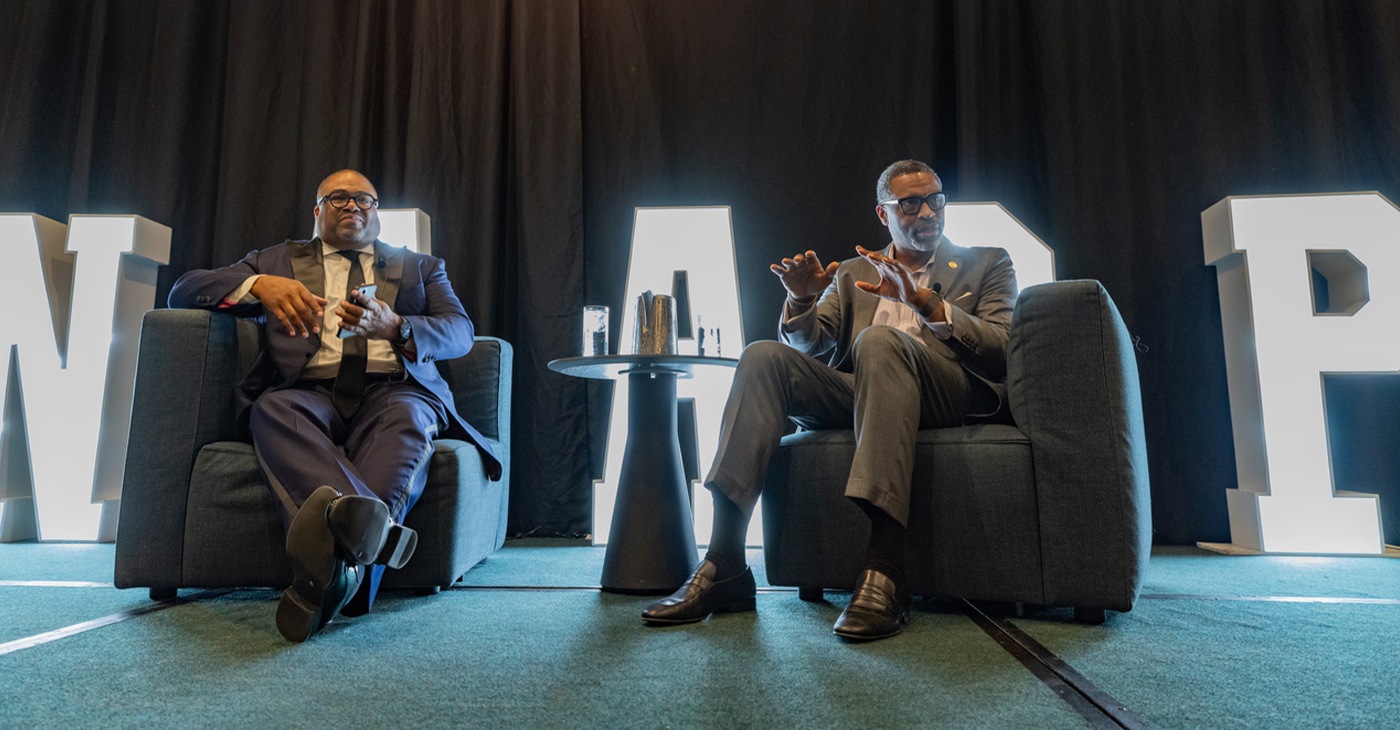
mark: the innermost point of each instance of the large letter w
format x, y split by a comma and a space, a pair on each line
66, 446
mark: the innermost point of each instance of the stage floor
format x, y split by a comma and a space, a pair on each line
527, 639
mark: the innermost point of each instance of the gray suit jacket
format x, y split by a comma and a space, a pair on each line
980, 283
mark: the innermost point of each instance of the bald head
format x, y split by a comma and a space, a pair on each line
350, 226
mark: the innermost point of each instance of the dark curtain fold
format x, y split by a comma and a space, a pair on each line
1106, 127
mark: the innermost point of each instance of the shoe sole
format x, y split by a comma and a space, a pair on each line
365, 533
311, 550
741, 606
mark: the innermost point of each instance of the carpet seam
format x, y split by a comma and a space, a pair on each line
1107, 711
47, 637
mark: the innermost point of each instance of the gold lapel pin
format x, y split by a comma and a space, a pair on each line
952, 264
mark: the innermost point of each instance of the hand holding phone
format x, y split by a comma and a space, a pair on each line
368, 291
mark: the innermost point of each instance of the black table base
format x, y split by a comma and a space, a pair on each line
651, 548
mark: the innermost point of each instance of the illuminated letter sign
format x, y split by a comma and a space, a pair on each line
1278, 344
75, 389
701, 241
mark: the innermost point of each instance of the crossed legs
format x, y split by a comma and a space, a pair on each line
899, 385
381, 470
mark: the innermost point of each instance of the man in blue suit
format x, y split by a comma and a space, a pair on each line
344, 400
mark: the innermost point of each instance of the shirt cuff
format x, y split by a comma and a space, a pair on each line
243, 294
792, 311
943, 330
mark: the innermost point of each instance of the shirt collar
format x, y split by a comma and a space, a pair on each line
327, 249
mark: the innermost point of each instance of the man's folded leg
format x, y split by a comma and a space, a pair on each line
900, 387
336, 529
772, 382
390, 444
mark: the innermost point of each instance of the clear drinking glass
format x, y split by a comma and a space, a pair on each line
595, 330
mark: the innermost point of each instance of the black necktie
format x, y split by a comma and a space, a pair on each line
350, 380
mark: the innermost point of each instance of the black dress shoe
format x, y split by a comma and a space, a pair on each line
702, 595
879, 609
299, 616
365, 533
358, 605
322, 580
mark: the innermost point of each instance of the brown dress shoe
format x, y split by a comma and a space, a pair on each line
879, 609
702, 595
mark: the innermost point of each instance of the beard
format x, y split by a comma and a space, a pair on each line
924, 244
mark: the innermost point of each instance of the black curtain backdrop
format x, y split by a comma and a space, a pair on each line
530, 130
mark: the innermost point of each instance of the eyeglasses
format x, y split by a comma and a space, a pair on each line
913, 204
338, 200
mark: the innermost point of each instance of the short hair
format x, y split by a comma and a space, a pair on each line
903, 167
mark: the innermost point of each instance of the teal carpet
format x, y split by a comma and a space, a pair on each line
505, 650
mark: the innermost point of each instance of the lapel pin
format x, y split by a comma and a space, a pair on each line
952, 264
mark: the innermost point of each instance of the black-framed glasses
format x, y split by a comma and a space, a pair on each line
338, 200
913, 204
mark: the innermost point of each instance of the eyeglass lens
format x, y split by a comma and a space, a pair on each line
363, 201
913, 204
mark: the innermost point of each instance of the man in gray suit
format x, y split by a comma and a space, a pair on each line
906, 338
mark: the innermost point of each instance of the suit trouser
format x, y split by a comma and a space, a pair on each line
381, 451
899, 386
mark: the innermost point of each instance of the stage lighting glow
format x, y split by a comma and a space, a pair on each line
1277, 348
75, 425
990, 224
701, 241
409, 228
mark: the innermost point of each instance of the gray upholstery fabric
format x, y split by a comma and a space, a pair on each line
1053, 511
195, 511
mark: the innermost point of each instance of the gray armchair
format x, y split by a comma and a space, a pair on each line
1053, 511
196, 513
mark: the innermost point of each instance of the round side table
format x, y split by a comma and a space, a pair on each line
651, 547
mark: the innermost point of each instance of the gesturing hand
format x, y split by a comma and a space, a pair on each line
371, 317
896, 281
291, 303
803, 275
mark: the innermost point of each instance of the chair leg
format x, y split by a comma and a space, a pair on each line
809, 594
427, 590
1090, 615
162, 593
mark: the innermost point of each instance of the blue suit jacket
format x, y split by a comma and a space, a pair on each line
414, 284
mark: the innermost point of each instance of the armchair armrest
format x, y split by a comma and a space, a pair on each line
481, 386
188, 364
1073, 387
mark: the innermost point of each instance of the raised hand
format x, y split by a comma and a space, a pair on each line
291, 303
896, 281
803, 275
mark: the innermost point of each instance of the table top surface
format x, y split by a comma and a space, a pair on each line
609, 367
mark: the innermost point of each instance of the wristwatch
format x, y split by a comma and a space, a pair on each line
405, 333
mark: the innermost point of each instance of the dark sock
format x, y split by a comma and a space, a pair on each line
731, 526
886, 551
